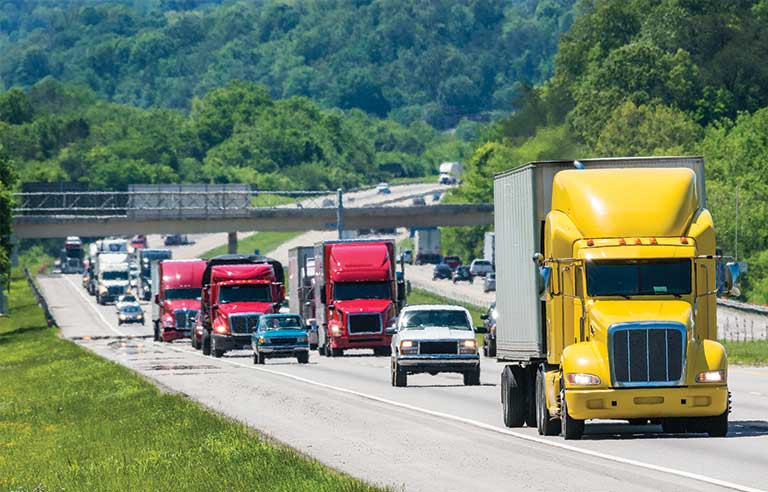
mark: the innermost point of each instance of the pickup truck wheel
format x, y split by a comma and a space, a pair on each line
718, 426
261, 359
544, 422
302, 357
472, 378
399, 377
513, 396
571, 429
206, 344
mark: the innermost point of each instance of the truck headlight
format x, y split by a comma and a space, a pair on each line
582, 379
102, 290
711, 376
468, 346
261, 339
122, 317
335, 330
220, 329
408, 347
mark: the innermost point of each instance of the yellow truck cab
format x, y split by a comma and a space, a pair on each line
607, 276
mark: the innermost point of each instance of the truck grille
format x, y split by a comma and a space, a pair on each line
185, 318
282, 341
115, 290
438, 347
364, 323
647, 354
243, 323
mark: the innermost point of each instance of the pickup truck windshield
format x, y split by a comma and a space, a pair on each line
115, 275
185, 293
638, 277
346, 291
418, 320
245, 293
281, 323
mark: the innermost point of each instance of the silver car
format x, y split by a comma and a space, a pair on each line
489, 283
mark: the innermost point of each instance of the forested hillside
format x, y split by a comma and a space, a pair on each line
652, 77
434, 61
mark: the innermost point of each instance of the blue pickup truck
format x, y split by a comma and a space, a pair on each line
280, 335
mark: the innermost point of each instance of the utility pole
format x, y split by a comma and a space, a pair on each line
339, 213
736, 233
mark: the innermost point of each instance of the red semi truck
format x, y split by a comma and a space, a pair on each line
177, 288
237, 290
357, 295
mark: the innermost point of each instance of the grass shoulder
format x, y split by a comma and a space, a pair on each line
70, 420
748, 353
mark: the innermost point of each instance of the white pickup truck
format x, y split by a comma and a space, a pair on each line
433, 339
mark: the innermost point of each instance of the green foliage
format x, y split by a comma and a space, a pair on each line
435, 61
753, 353
7, 180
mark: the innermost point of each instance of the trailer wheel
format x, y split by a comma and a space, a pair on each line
571, 429
512, 397
472, 378
718, 426
206, 344
544, 422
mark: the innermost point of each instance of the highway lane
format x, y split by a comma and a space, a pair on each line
355, 421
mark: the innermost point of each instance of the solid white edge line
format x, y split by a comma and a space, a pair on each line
481, 425
93, 307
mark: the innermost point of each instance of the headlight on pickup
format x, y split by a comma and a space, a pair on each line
711, 376
468, 346
582, 379
301, 339
409, 347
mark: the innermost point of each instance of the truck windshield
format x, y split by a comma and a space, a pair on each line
418, 320
244, 293
185, 293
346, 291
281, 323
638, 277
115, 275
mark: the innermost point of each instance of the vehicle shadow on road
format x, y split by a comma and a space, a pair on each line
457, 385
604, 432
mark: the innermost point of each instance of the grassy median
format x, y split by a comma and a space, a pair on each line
263, 241
748, 353
70, 420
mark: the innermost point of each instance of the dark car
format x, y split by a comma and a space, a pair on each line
489, 338
441, 270
462, 274
419, 200
130, 313
452, 261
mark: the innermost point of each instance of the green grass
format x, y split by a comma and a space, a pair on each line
750, 353
404, 244
70, 420
419, 296
414, 180
263, 241
272, 200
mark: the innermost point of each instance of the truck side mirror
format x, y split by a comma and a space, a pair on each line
157, 298
391, 330
484, 316
732, 272
331, 307
481, 329
545, 276
214, 307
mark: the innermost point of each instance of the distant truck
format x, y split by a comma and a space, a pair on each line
145, 259
427, 246
237, 290
175, 297
301, 281
72, 256
450, 173
111, 274
615, 316
489, 247
357, 295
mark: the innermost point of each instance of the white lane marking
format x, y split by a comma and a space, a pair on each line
95, 309
499, 430
756, 393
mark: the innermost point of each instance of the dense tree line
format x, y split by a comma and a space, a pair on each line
237, 133
653, 77
434, 61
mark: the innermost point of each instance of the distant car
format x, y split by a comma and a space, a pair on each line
480, 268
441, 270
139, 241
434, 339
419, 200
489, 283
130, 313
126, 300
489, 338
406, 256
436, 196
462, 274
383, 188
452, 261
172, 240
327, 202
280, 335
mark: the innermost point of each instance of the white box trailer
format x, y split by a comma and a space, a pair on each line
489, 247
522, 197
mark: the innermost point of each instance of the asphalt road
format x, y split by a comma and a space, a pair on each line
435, 434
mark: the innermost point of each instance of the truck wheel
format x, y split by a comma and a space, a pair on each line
382, 351
512, 397
673, 426
399, 377
260, 358
718, 426
544, 422
472, 378
302, 357
337, 352
571, 429
206, 344
156, 333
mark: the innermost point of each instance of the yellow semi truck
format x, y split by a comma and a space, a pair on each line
607, 276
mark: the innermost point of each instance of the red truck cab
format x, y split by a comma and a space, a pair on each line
237, 290
357, 295
177, 286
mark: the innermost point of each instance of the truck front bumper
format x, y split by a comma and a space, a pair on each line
438, 363
283, 351
171, 334
373, 341
699, 401
231, 342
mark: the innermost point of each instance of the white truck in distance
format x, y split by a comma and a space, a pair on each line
111, 272
426, 246
450, 173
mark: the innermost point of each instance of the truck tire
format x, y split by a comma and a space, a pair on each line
512, 397
673, 426
259, 358
571, 429
399, 377
472, 378
489, 347
546, 425
718, 426
206, 344
337, 352
156, 332
216, 352
382, 351
302, 357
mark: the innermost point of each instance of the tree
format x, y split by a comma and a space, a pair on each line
8, 179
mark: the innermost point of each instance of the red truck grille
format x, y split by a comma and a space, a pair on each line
364, 323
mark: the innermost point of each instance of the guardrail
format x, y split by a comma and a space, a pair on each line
741, 322
40, 298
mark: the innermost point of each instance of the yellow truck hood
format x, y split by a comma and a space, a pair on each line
603, 314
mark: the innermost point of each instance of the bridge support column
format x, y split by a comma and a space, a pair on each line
232, 243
